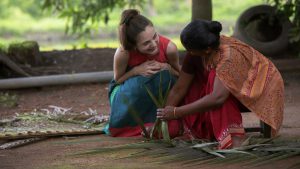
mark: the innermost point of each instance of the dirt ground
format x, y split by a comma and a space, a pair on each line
57, 152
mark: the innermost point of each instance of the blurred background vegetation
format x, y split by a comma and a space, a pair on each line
24, 20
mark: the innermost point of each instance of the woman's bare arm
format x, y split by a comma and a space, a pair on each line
206, 103
121, 58
173, 58
180, 89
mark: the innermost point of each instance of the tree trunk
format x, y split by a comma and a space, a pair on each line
202, 9
151, 10
175, 5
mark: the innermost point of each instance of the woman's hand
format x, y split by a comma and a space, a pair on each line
167, 113
164, 66
147, 68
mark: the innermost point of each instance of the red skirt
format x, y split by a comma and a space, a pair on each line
218, 124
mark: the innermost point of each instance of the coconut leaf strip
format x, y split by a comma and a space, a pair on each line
160, 90
212, 152
154, 129
201, 145
197, 159
156, 102
264, 157
153, 152
162, 152
239, 159
181, 151
281, 157
146, 145
135, 116
278, 149
165, 131
250, 147
167, 93
99, 139
234, 151
221, 160
203, 161
138, 120
183, 156
295, 166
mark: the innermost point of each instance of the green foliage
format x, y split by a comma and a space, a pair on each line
290, 9
231, 9
25, 46
82, 15
3, 48
30, 7
171, 16
8, 100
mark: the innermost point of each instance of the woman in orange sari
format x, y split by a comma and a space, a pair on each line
218, 75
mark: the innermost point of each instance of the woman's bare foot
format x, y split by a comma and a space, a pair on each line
237, 141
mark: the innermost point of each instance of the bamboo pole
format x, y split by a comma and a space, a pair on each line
38, 81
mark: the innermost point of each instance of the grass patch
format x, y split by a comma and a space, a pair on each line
8, 100
17, 25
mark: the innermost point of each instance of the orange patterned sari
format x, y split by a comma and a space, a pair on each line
252, 79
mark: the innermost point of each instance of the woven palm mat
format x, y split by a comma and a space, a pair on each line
54, 121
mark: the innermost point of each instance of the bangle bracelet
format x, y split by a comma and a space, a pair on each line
174, 112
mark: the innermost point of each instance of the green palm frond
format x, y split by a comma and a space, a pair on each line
233, 151
212, 152
200, 153
160, 127
160, 91
153, 98
155, 128
204, 144
165, 131
167, 93
136, 117
250, 147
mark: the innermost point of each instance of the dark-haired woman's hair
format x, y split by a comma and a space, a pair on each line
131, 24
201, 34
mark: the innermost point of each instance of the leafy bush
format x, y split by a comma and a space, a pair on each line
290, 9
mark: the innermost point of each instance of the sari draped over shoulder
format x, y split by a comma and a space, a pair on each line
253, 80
218, 124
